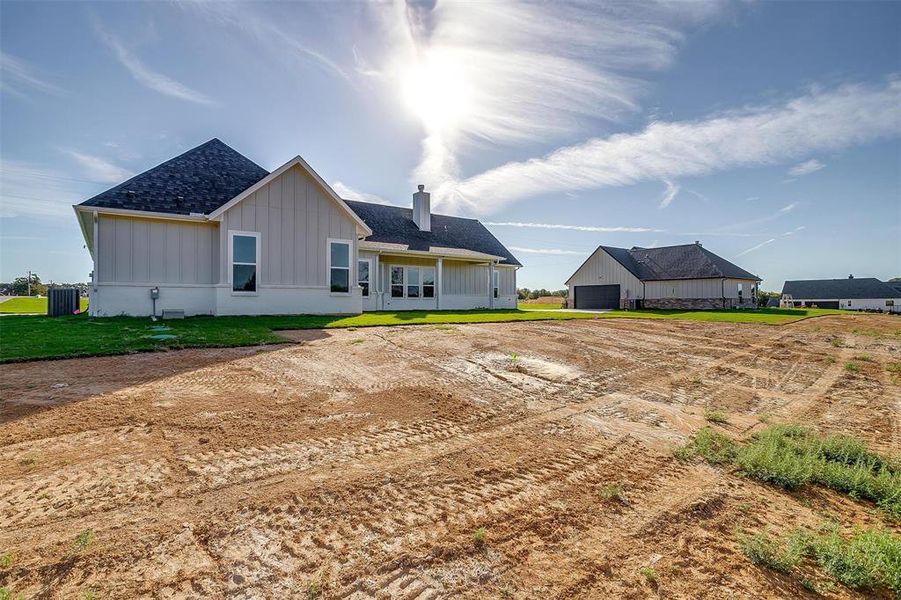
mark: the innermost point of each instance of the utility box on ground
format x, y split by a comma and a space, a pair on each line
62, 301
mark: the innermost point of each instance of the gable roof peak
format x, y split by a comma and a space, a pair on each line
203, 177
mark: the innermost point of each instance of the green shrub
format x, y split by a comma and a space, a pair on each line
869, 559
713, 447
715, 416
612, 491
791, 456
649, 574
779, 555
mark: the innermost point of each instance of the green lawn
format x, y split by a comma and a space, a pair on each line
29, 337
30, 304
537, 306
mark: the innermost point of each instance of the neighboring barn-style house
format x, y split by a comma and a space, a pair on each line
210, 232
678, 277
853, 293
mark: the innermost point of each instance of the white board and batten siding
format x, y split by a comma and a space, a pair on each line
603, 269
295, 218
698, 288
464, 285
181, 258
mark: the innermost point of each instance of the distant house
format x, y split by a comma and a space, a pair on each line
679, 277
210, 232
853, 293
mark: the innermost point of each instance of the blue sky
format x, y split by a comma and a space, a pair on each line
770, 131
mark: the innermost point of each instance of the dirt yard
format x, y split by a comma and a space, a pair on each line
426, 462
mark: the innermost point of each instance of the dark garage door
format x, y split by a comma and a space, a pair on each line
597, 296
823, 303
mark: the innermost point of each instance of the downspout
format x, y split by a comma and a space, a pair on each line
95, 274
439, 282
723, 291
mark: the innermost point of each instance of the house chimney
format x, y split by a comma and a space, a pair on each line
422, 209
697, 242
850, 276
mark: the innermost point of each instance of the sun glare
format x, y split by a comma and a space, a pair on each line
436, 90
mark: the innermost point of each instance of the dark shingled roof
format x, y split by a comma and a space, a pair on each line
688, 261
839, 289
393, 224
198, 181
206, 177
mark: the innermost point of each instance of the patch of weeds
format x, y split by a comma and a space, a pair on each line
713, 447
696, 381
480, 538
513, 357
357, 341
82, 541
88, 595
894, 370
829, 360
764, 418
837, 342
650, 574
772, 553
314, 590
851, 367
27, 461
7, 594
6, 560
870, 559
613, 491
863, 358
715, 416
792, 456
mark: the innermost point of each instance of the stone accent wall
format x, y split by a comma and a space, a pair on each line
696, 303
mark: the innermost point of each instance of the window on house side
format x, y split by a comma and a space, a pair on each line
397, 282
494, 283
339, 267
244, 262
363, 276
428, 282
412, 282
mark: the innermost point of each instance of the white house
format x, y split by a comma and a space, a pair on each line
668, 277
853, 293
210, 232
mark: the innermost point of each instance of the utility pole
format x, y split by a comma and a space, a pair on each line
29, 283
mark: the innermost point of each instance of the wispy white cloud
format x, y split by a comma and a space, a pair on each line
555, 251
147, 77
771, 240
27, 189
599, 229
98, 169
823, 120
757, 247
349, 193
17, 76
669, 193
270, 32
519, 71
806, 168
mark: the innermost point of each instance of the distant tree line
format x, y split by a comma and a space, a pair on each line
527, 294
19, 286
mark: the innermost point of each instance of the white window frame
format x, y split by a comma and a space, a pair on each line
402, 284
369, 289
231, 261
422, 284
351, 277
406, 278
